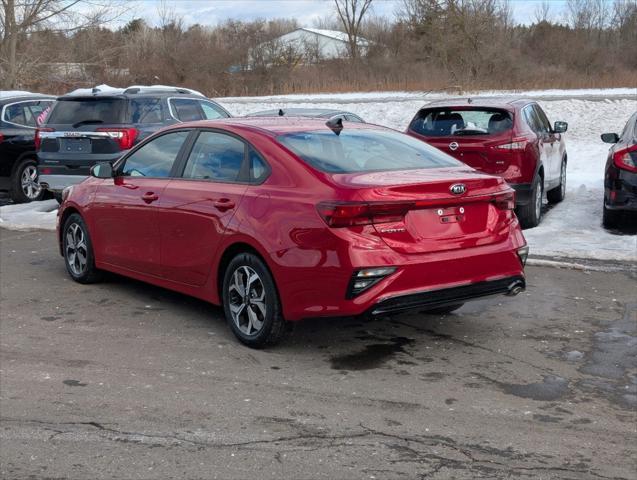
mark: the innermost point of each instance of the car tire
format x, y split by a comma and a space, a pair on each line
611, 218
531, 213
443, 310
24, 182
78, 251
251, 302
557, 194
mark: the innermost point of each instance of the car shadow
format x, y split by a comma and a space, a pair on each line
628, 225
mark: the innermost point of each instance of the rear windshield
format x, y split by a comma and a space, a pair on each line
364, 151
95, 110
445, 122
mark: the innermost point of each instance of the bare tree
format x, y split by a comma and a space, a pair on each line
542, 12
351, 13
19, 18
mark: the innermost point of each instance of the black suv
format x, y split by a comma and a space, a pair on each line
20, 115
620, 177
101, 124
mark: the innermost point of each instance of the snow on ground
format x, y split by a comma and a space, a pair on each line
570, 229
28, 216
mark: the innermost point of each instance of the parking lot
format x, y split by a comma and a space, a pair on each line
125, 380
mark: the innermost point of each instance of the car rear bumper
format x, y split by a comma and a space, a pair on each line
57, 183
621, 193
522, 192
449, 296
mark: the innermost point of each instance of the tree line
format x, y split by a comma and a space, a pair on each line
429, 44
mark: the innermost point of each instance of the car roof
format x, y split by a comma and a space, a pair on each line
301, 112
275, 125
506, 103
12, 96
133, 91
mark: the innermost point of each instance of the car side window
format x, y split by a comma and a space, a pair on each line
531, 118
545, 125
29, 114
155, 159
258, 168
186, 109
216, 156
212, 111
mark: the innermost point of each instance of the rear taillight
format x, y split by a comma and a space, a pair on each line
350, 214
1, 138
514, 144
38, 138
505, 201
626, 159
125, 137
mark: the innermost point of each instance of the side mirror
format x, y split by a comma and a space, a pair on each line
102, 170
560, 127
610, 138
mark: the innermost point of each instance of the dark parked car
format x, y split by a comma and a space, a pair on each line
100, 125
20, 115
510, 138
281, 219
620, 177
326, 113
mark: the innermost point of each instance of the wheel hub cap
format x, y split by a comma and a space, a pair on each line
29, 182
247, 300
75, 249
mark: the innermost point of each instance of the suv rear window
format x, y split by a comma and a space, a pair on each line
364, 151
101, 110
444, 122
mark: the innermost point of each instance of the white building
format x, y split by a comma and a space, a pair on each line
311, 45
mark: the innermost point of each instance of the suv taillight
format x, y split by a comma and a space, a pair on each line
1, 138
38, 139
125, 137
626, 158
351, 214
514, 144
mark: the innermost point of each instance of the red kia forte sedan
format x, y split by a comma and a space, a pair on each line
281, 219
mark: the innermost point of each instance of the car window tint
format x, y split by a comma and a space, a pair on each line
544, 123
364, 151
212, 111
26, 113
531, 119
103, 110
155, 159
258, 168
215, 156
186, 109
443, 122
146, 110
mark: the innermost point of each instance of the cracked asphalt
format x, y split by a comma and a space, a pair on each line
124, 380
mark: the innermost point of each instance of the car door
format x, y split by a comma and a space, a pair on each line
552, 141
198, 208
124, 210
543, 146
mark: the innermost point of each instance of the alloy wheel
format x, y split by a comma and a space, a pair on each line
247, 300
538, 201
76, 249
563, 179
29, 182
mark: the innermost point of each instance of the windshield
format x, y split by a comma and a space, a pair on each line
443, 122
364, 151
94, 110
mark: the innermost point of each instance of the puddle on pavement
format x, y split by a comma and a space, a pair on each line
552, 388
372, 356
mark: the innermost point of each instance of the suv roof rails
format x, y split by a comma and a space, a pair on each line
134, 90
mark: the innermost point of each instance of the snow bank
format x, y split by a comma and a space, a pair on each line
28, 216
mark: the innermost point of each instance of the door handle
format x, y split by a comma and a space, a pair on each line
224, 204
150, 197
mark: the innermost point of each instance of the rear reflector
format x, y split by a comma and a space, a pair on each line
37, 139
515, 144
626, 159
350, 214
366, 278
125, 137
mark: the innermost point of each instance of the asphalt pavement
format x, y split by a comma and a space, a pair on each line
125, 380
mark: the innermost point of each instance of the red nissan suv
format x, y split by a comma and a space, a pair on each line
280, 219
510, 138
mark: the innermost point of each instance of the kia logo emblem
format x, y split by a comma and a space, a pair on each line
458, 188
453, 146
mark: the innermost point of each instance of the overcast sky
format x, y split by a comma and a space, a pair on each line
212, 12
